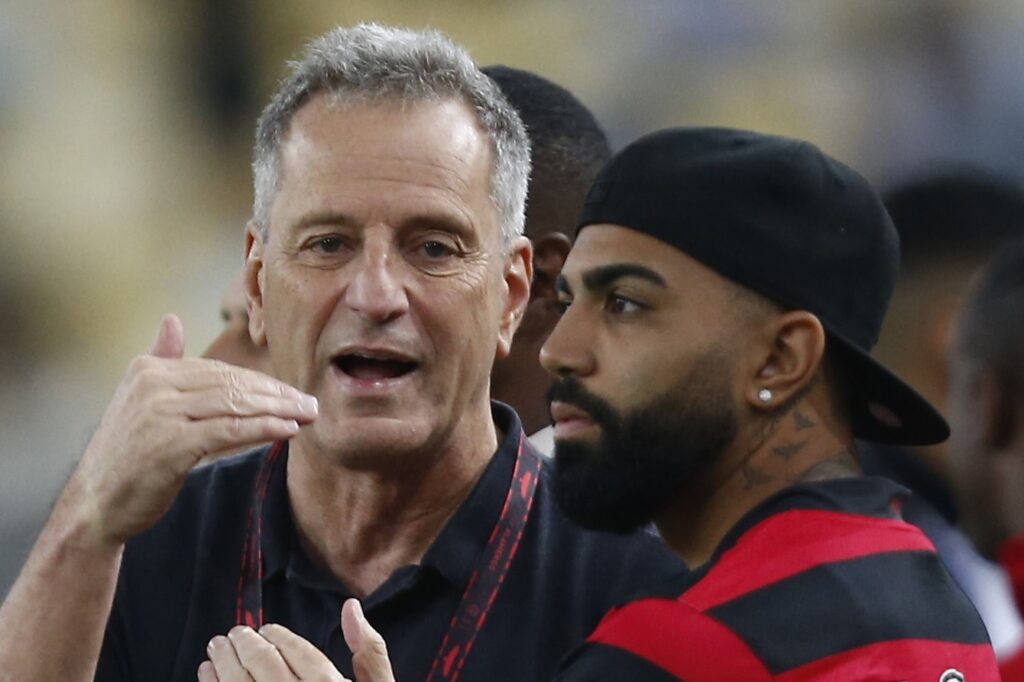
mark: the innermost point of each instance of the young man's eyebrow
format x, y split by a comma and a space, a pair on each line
601, 277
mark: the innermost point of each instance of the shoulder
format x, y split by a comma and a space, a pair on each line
814, 589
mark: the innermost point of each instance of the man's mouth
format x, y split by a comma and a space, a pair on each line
373, 366
570, 420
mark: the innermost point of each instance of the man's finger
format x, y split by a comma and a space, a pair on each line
302, 657
207, 673
370, 661
212, 436
259, 656
212, 402
197, 374
170, 338
225, 661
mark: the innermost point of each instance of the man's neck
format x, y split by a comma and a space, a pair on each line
362, 525
798, 447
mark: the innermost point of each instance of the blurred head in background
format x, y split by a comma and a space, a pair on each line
986, 402
234, 345
568, 147
950, 224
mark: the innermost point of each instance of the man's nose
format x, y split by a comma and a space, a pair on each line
376, 291
568, 350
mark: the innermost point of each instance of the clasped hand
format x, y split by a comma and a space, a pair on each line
276, 654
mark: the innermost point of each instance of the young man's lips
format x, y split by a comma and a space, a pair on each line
569, 420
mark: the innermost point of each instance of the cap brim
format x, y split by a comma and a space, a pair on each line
885, 409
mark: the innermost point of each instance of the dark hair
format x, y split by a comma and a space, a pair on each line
962, 214
568, 145
992, 322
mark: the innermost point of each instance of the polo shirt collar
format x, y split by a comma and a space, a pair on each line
455, 551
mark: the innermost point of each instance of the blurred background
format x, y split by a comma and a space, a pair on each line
125, 130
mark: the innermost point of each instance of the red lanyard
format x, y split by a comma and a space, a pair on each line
481, 590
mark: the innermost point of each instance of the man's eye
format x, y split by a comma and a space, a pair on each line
621, 305
327, 244
562, 305
436, 249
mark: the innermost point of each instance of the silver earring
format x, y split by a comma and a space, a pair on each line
764, 395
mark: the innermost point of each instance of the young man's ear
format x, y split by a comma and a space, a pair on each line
549, 254
252, 282
518, 274
790, 352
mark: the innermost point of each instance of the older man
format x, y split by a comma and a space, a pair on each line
385, 272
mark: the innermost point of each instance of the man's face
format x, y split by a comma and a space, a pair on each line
646, 402
383, 287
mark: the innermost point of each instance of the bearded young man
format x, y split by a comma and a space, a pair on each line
721, 300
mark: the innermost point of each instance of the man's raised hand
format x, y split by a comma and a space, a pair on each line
167, 414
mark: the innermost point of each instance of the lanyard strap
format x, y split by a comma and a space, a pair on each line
249, 605
489, 573
481, 590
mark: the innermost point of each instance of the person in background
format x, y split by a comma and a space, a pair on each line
950, 223
568, 147
986, 449
713, 361
234, 345
385, 271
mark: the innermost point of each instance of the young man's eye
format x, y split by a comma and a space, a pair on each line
622, 305
562, 305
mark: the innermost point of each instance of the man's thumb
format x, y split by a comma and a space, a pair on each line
370, 660
170, 339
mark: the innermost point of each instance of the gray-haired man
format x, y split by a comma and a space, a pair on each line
386, 271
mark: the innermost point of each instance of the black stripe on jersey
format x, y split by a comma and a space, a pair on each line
600, 663
840, 606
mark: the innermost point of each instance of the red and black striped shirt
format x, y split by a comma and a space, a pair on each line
823, 581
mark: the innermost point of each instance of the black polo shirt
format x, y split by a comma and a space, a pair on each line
179, 581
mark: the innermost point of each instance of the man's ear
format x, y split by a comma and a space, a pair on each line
549, 254
518, 274
252, 282
787, 357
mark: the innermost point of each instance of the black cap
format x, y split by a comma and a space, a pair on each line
780, 218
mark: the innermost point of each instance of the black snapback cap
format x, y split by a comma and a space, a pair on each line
780, 218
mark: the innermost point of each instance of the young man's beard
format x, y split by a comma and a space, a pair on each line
645, 457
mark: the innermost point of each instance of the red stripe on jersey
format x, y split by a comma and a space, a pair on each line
689, 644
811, 538
904, 659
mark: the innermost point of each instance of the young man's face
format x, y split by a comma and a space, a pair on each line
645, 352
